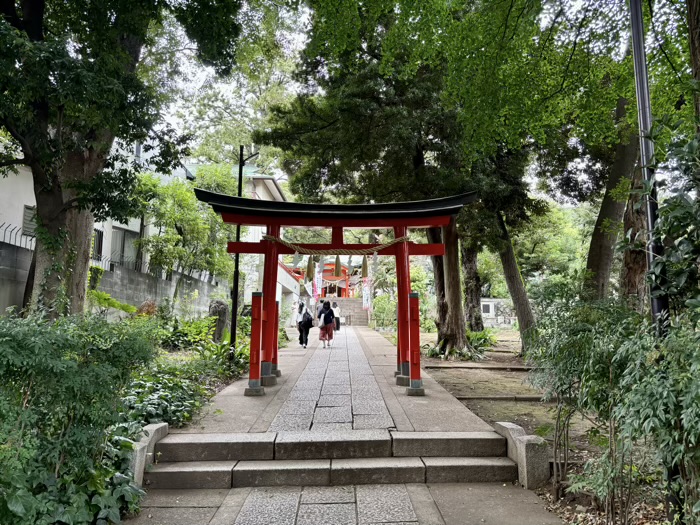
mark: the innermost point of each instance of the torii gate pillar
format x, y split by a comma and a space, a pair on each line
403, 284
269, 335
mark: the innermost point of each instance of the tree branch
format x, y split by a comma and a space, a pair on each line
14, 162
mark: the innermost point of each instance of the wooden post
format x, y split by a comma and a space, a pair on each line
269, 296
276, 346
403, 284
255, 387
415, 387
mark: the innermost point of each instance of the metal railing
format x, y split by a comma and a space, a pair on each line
12, 234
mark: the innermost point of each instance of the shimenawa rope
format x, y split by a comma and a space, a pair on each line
334, 251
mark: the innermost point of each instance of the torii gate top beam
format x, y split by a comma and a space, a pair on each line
415, 214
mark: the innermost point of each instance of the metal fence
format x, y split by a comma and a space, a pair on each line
12, 234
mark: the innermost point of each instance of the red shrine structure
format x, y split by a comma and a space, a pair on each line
401, 216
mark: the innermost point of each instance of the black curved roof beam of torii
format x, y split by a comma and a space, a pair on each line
413, 214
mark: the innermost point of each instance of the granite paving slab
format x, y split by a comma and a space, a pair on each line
291, 422
265, 506
341, 414
364, 406
330, 427
361, 422
383, 503
298, 406
335, 390
304, 395
334, 401
344, 494
327, 514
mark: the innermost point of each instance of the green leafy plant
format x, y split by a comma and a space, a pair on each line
105, 301
188, 334
482, 339
63, 452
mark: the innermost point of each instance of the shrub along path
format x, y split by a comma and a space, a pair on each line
347, 390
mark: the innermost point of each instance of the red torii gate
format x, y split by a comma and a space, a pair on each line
274, 215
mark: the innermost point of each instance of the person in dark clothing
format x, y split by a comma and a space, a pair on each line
326, 320
304, 323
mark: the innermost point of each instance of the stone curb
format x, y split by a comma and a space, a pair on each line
142, 455
530, 453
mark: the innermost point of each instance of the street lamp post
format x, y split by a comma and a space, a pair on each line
236, 258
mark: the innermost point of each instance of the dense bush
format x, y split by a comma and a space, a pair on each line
604, 361
482, 339
176, 385
186, 334
384, 311
63, 450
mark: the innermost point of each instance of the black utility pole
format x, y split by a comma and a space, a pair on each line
236, 258
659, 301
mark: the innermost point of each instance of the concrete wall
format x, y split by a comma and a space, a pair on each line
132, 287
125, 285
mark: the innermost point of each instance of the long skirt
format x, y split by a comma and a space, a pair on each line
326, 333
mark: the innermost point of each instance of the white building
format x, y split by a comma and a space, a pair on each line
114, 246
497, 312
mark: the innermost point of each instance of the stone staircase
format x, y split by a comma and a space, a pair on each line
351, 309
199, 461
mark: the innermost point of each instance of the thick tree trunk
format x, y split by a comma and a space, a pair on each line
601, 251
634, 262
435, 236
472, 286
455, 326
63, 239
514, 281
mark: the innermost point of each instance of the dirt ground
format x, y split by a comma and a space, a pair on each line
535, 417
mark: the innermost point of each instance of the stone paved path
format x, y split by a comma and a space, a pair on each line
348, 386
336, 391
414, 504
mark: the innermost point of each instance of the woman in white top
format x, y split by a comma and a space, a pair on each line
336, 311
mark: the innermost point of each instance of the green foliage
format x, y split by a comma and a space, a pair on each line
105, 301
95, 274
482, 339
188, 334
63, 452
176, 385
384, 311
283, 338
603, 360
190, 236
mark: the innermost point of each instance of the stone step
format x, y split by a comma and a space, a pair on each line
448, 444
216, 447
469, 470
333, 445
344, 444
189, 475
323, 472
